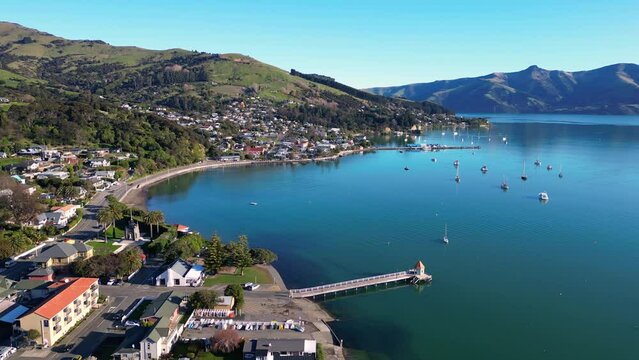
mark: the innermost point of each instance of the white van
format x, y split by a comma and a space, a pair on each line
9, 263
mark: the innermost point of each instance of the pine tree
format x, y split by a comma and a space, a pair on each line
214, 255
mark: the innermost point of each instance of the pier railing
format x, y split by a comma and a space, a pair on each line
355, 282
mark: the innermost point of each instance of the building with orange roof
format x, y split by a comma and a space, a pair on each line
58, 314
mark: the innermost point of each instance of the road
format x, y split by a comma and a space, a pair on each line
88, 227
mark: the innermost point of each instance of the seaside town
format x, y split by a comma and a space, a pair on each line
87, 271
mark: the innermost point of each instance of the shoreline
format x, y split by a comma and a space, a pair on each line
136, 193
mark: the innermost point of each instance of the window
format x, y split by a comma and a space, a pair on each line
46, 323
176, 281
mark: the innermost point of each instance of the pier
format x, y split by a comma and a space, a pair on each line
415, 275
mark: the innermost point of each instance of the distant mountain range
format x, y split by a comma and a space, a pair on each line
612, 89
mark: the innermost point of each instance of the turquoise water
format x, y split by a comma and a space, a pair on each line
519, 279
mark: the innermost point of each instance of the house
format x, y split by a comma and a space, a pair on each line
4, 100
39, 221
58, 314
28, 165
230, 158
105, 174
97, 183
225, 303
99, 162
181, 273
53, 175
7, 292
255, 152
272, 349
31, 289
9, 313
161, 331
3, 155
58, 217
45, 274
63, 254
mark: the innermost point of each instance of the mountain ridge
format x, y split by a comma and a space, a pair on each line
612, 89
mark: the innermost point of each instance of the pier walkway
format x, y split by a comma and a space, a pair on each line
417, 274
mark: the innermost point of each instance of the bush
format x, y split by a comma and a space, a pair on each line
236, 291
33, 334
263, 256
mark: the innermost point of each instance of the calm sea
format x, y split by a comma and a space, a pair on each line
520, 279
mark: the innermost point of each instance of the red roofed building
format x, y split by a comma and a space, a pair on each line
254, 152
182, 229
61, 312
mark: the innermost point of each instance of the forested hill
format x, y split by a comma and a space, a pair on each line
612, 89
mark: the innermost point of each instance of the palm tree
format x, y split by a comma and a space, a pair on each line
157, 217
110, 214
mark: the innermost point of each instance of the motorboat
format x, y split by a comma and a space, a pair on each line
406, 168
484, 169
445, 238
433, 160
543, 196
537, 162
253, 203
549, 167
456, 163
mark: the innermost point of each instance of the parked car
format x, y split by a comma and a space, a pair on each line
251, 286
6, 352
131, 323
110, 282
10, 263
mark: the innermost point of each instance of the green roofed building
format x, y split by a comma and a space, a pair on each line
160, 332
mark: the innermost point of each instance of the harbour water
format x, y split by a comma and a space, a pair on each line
520, 279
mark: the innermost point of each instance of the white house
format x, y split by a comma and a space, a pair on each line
99, 162
105, 174
181, 273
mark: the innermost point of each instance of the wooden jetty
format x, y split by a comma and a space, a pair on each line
414, 275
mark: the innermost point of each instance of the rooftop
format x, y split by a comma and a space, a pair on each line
59, 301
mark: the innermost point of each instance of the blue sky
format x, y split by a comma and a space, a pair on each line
361, 43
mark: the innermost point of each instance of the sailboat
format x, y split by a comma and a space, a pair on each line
504, 185
537, 162
456, 163
445, 238
457, 178
524, 177
561, 172
484, 169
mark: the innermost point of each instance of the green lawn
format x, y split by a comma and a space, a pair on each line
181, 349
102, 248
135, 315
119, 233
252, 274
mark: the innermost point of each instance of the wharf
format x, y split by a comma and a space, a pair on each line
414, 275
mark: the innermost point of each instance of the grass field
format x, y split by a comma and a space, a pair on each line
102, 248
252, 274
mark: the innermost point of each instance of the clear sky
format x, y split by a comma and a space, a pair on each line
361, 43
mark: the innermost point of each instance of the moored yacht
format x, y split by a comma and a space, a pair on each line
524, 177
504, 185
484, 169
445, 238
549, 167
456, 163
543, 196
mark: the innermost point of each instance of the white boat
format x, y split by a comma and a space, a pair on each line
504, 139
543, 196
253, 203
484, 169
433, 160
537, 162
456, 163
445, 238
549, 167
455, 133
504, 185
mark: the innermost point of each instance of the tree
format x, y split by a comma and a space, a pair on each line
184, 247
242, 254
226, 341
33, 334
236, 291
113, 212
263, 256
68, 192
18, 205
214, 255
203, 299
154, 218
